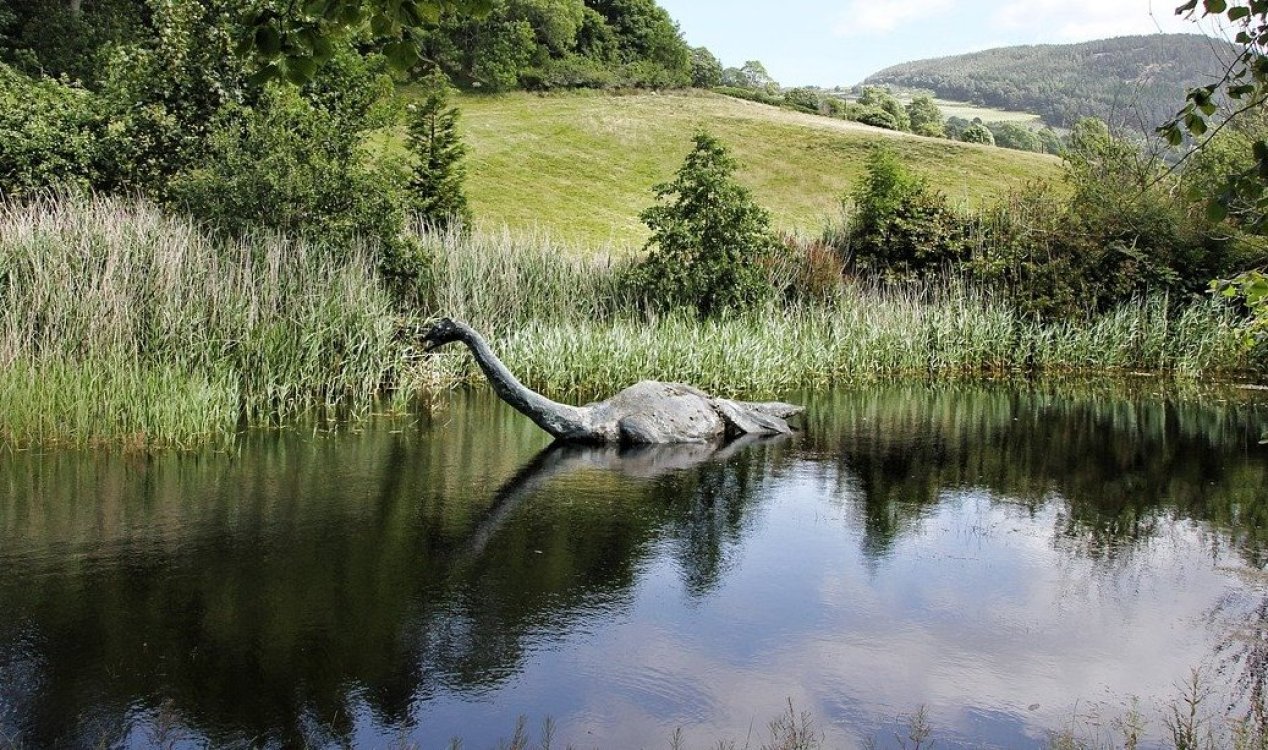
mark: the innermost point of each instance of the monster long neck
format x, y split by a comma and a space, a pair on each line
560, 420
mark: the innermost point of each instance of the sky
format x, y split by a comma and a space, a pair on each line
825, 43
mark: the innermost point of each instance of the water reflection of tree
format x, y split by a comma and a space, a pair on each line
1117, 466
259, 592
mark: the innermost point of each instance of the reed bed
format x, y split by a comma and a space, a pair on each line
864, 336
119, 323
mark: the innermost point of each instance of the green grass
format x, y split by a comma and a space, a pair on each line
581, 166
124, 326
987, 114
121, 324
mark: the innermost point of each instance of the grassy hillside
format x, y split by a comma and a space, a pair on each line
582, 166
985, 114
1139, 81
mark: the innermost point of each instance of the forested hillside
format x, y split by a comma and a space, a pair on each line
1137, 81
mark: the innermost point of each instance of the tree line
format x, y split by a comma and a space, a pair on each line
1131, 81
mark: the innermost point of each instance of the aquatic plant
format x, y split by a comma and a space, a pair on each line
122, 324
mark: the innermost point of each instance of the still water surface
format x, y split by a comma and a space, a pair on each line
1012, 559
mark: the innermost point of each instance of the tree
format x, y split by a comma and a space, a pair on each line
804, 99
754, 76
1014, 136
879, 98
978, 133
292, 43
709, 238
649, 39
706, 70
956, 126
1245, 87
437, 175
926, 118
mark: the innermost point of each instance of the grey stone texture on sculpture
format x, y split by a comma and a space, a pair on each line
648, 412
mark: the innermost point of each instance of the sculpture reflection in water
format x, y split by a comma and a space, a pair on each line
305, 590
288, 615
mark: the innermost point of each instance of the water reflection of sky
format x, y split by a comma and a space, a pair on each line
1010, 574
978, 615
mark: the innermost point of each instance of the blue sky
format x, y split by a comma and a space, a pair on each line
804, 42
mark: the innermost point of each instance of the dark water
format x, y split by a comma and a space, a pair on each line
1012, 560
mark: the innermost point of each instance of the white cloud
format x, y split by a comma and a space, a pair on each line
880, 16
1082, 20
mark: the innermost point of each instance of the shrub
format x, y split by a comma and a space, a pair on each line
978, 133
803, 99
878, 98
874, 116
709, 238
752, 95
926, 117
901, 229
47, 134
435, 186
288, 166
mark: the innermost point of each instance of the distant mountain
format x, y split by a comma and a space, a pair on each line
1136, 81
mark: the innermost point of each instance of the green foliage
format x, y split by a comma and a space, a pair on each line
292, 41
435, 186
546, 44
709, 238
648, 36
706, 69
289, 166
1051, 142
752, 95
751, 75
955, 127
1014, 136
804, 99
926, 118
877, 98
1118, 231
901, 229
978, 133
48, 135
61, 39
1243, 92
1127, 80
1251, 289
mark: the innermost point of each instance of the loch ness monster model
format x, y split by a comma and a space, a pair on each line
649, 412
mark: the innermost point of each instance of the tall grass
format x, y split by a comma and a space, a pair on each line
118, 323
864, 336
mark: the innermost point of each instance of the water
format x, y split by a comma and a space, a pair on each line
1015, 560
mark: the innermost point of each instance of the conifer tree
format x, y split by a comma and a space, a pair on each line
436, 181
709, 238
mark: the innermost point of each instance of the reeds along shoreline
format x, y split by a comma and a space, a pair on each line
120, 324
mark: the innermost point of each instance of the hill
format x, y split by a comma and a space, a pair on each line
1137, 81
581, 166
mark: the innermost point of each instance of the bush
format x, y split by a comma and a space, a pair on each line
901, 229
874, 116
48, 134
288, 166
752, 95
570, 72
978, 133
709, 241
435, 187
804, 99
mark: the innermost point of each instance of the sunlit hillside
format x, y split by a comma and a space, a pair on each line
581, 166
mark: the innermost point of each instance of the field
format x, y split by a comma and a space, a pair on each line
580, 167
971, 111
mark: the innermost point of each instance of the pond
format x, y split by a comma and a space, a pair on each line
1015, 560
